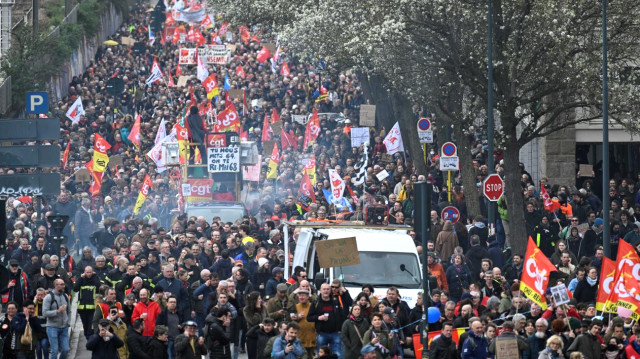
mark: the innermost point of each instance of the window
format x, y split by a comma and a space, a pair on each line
382, 269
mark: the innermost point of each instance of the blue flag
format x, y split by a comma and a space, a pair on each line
227, 84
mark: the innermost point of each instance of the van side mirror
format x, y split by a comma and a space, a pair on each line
318, 279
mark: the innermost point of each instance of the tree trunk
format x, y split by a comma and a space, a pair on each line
376, 94
468, 173
406, 120
513, 191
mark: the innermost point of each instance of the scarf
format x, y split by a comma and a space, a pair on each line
458, 267
611, 354
592, 282
357, 320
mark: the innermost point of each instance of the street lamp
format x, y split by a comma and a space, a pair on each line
605, 137
490, 164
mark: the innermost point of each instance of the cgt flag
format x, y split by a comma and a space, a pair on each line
535, 275
337, 185
144, 193
306, 196
100, 158
312, 131
626, 285
134, 136
274, 160
607, 275
310, 169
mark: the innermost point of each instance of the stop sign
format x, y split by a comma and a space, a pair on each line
493, 187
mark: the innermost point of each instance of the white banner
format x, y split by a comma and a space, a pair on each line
215, 54
359, 135
223, 159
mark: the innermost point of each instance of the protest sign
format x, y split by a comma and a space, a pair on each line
560, 295
368, 115
359, 135
83, 175
338, 252
187, 57
223, 159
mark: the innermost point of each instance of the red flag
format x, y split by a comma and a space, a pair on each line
626, 286
244, 135
284, 70
240, 71
274, 116
288, 139
607, 276
244, 34
267, 132
199, 39
256, 36
227, 99
353, 196
549, 204
306, 195
192, 96
313, 129
228, 119
178, 70
263, 55
134, 135
169, 19
96, 185
170, 83
535, 274
191, 35
206, 22
224, 28
65, 156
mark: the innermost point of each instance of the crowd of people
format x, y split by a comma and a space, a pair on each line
159, 284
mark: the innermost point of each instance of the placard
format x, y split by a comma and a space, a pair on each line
449, 163
560, 295
231, 49
359, 135
215, 54
267, 147
276, 127
507, 348
301, 119
252, 173
125, 40
236, 94
386, 158
223, 159
115, 160
382, 175
582, 227
368, 115
338, 252
182, 81
83, 175
586, 171
187, 56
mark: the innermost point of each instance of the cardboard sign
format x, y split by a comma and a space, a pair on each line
276, 127
267, 147
507, 348
223, 159
83, 175
359, 135
560, 295
235, 94
182, 81
115, 160
386, 158
125, 40
586, 171
338, 252
368, 115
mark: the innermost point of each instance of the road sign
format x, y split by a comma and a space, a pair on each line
450, 213
30, 130
449, 149
449, 163
424, 124
36, 184
424, 131
29, 156
37, 102
493, 187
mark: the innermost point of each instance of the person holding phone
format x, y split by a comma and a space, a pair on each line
287, 345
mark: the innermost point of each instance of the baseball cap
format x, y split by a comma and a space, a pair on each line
367, 349
280, 253
14, 262
389, 311
191, 323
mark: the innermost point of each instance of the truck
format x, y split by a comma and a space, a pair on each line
388, 257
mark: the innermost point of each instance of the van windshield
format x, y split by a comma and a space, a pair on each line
382, 269
227, 214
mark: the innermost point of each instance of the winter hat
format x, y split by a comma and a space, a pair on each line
262, 261
598, 222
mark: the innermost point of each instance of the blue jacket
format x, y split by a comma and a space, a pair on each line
205, 291
475, 347
280, 344
174, 285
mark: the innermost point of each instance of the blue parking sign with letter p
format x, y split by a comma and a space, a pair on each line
37, 102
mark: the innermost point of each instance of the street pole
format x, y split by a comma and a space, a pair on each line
36, 12
605, 137
423, 192
490, 164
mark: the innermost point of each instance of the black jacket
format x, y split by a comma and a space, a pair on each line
443, 348
101, 349
103, 238
586, 293
137, 345
475, 255
185, 351
87, 289
337, 309
217, 341
260, 337
157, 349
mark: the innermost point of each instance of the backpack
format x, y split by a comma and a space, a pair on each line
53, 299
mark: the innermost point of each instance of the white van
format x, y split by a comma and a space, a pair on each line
382, 253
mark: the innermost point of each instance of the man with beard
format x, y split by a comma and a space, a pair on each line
509, 334
588, 343
16, 288
513, 271
538, 340
463, 320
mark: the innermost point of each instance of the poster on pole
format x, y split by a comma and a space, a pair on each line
187, 57
223, 159
359, 135
560, 295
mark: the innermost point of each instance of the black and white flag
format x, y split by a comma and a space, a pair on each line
361, 168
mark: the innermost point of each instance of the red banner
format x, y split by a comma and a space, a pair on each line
535, 274
607, 276
228, 119
197, 190
144, 193
313, 130
626, 285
